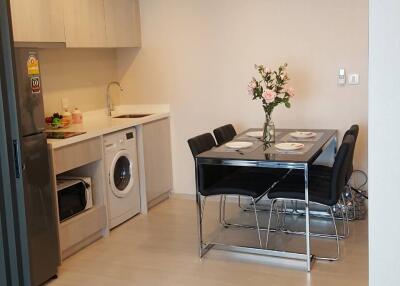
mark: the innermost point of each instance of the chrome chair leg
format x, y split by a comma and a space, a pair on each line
242, 207
337, 235
284, 212
258, 225
341, 205
347, 221
224, 223
337, 241
203, 205
220, 210
345, 218
269, 222
352, 201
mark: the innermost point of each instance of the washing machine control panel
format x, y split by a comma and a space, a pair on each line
115, 140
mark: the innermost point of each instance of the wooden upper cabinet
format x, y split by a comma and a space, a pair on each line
122, 23
39, 21
77, 23
85, 23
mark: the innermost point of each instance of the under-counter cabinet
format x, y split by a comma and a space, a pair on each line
39, 21
82, 159
91, 157
157, 160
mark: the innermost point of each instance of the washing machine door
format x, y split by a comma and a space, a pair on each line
121, 174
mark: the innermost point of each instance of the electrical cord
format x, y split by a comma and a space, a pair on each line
358, 189
359, 192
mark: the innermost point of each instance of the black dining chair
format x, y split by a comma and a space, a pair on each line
324, 191
322, 170
224, 133
215, 181
325, 171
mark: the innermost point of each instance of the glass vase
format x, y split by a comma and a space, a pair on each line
269, 130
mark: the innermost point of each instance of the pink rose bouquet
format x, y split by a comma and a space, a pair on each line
272, 88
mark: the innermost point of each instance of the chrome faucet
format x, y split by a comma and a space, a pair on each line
110, 106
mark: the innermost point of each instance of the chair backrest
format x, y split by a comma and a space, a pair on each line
353, 130
208, 174
201, 143
224, 133
339, 169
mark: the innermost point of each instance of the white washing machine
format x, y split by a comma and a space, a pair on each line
122, 175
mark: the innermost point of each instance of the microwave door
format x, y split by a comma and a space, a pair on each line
71, 201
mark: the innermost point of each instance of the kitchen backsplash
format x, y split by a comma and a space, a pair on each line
81, 75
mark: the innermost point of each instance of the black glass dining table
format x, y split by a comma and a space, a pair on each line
264, 155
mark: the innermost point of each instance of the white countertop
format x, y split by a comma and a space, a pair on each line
97, 123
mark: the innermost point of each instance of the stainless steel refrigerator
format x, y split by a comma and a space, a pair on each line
40, 198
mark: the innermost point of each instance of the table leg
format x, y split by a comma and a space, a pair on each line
307, 209
199, 214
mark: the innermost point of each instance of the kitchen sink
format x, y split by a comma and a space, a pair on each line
132, 115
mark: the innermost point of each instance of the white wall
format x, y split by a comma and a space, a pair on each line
198, 56
384, 152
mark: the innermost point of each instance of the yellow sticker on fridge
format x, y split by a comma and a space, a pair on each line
33, 65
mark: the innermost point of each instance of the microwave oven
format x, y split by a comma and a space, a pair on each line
74, 196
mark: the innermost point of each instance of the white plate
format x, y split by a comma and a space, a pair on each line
255, 134
239, 144
301, 134
289, 146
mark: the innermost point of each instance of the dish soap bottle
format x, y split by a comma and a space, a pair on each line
77, 117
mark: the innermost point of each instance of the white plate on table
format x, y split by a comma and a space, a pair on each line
303, 134
289, 146
239, 144
255, 134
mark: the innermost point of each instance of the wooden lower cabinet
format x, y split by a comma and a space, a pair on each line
86, 159
78, 154
81, 230
82, 159
157, 160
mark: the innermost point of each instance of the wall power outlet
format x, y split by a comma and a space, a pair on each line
354, 79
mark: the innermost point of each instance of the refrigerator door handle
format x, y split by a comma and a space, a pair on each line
17, 163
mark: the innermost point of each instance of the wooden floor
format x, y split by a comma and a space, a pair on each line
161, 249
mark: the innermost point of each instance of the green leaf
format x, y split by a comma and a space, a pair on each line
287, 104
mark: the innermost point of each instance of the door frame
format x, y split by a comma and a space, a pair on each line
14, 261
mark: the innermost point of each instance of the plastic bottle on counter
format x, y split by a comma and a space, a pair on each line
77, 117
67, 118
68, 115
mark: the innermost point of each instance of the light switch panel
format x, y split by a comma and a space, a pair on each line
342, 77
